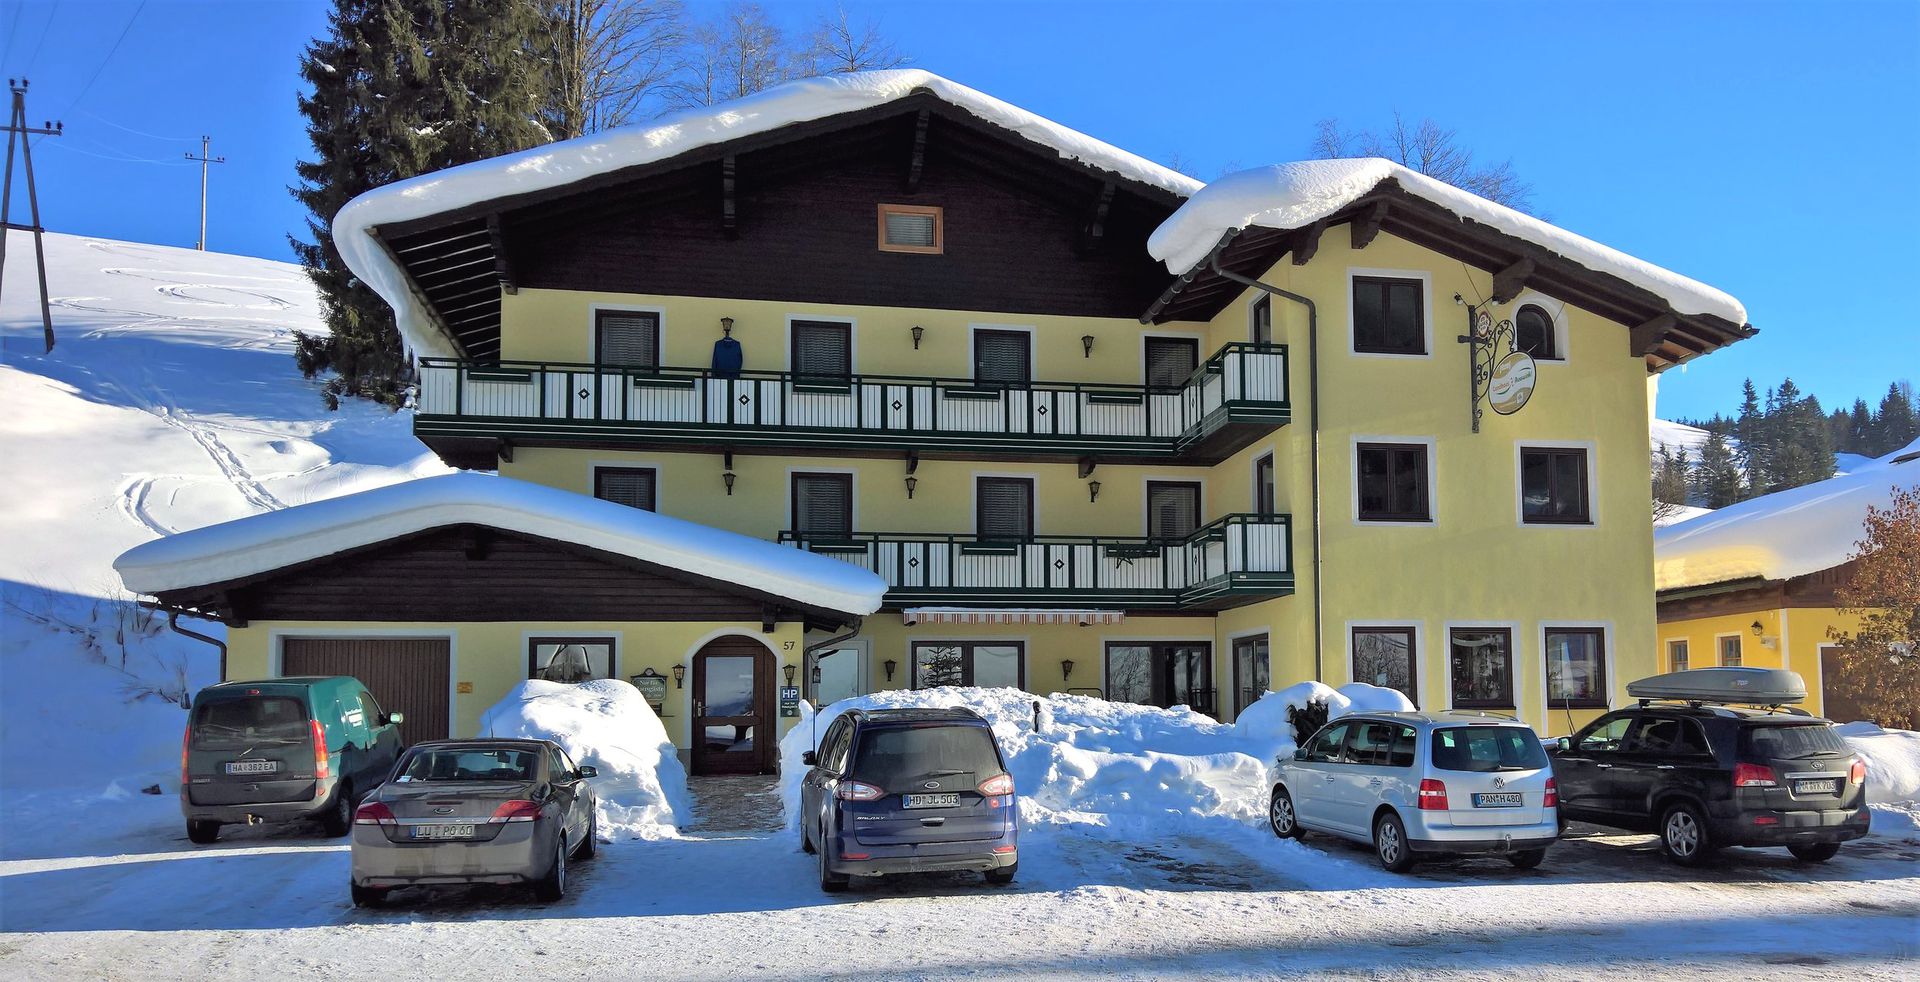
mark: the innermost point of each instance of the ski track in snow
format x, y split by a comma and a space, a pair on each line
132, 503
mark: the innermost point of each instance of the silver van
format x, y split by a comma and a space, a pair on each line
1413, 783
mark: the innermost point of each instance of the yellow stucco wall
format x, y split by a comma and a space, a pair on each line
1790, 638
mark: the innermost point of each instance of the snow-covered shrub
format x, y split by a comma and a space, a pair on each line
606, 723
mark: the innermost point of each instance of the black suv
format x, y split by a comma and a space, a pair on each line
1703, 776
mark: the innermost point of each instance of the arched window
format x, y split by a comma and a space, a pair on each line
1533, 332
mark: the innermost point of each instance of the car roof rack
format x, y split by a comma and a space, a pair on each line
1773, 688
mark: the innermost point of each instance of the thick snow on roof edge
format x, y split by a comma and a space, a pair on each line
1288, 196
559, 164
260, 543
1785, 534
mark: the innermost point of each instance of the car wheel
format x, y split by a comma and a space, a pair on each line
553, 886
999, 877
338, 820
1527, 858
830, 881
1683, 835
590, 843
202, 832
1390, 844
1815, 852
1280, 816
368, 896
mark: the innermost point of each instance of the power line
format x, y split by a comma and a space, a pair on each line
120, 158
45, 29
103, 62
128, 129
13, 31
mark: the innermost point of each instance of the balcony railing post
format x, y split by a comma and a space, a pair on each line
459, 389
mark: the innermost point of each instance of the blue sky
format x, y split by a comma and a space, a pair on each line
1766, 148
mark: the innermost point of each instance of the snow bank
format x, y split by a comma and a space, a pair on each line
1893, 776
1288, 196
1266, 720
559, 164
269, 541
608, 724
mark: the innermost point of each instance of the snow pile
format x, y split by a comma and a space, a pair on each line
608, 724
1289, 196
1266, 720
1788, 533
263, 542
557, 165
1893, 776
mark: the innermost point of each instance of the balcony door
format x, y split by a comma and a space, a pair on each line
1170, 361
1161, 673
1003, 358
822, 505
1173, 509
1003, 508
1251, 671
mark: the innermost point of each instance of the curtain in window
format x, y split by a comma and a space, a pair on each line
632, 487
822, 349
908, 229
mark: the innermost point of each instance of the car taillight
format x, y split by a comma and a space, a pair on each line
856, 791
321, 768
186, 741
374, 813
516, 811
1552, 800
1433, 796
1857, 774
1753, 776
994, 787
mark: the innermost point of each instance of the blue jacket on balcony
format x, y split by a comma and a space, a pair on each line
726, 358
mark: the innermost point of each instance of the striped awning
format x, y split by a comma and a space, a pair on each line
1009, 615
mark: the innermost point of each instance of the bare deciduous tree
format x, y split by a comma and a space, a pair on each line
614, 60
741, 53
1430, 149
837, 45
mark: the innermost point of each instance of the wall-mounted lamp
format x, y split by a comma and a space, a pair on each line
1066, 669
917, 332
890, 665
1086, 345
1757, 629
679, 676
814, 676
1093, 491
726, 326
912, 482
727, 479
788, 671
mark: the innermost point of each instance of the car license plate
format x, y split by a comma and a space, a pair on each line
1500, 799
441, 832
252, 766
1824, 786
932, 800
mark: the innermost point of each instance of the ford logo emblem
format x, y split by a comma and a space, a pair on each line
1499, 782
933, 784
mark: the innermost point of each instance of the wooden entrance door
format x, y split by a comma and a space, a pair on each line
733, 718
407, 675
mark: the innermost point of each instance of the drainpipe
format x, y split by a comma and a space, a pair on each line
173, 622
1313, 409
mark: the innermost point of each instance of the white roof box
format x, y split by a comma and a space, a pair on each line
1753, 686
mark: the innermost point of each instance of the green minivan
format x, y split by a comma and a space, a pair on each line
283, 750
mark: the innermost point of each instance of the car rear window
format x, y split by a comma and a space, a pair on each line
236, 724
1487, 748
1791, 741
469, 765
890, 756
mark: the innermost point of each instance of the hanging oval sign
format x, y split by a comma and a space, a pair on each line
1511, 384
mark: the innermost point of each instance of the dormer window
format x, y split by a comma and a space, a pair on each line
911, 228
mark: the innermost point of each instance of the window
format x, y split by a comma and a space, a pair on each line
834, 759
1576, 667
991, 663
1666, 736
823, 503
822, 351
1480, 749
1384, 656
1263, 492
1391, 482
1002, 357
1252, 670
1171, 360
1609, 735
1553, 486
1676, 656
1329, 745
626, 338
912, 228
1533, 333
1261, 316
1730, 651
1173, 509
1003, 508
569, 659
469, 764
1481, 667
1164, 674
1387, 316
630, 486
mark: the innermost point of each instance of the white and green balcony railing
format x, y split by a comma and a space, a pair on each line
1234, 561
1232, 398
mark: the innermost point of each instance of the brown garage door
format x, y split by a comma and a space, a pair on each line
407, 675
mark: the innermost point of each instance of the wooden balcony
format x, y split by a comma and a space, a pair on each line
1232, 562
468, 412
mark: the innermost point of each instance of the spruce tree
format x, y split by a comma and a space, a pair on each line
1717, 481
1895, 425
1747, 427
1860, 429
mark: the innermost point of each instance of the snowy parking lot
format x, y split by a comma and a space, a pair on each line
114, 890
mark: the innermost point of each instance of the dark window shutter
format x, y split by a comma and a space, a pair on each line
1171, 360
1173, 510
1005, 508
630, 486
627, 339
1003, 357
822, 349
823, 503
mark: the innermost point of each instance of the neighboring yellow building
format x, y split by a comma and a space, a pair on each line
1754, 583
1096, 429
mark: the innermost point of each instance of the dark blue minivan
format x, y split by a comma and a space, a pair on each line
908, 791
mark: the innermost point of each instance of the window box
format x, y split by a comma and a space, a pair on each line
1115, 399
503, 376
659, 382
976, 394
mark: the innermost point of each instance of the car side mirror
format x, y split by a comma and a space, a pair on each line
392, 718
588, 770
1565, 744
809, 758
1299, 753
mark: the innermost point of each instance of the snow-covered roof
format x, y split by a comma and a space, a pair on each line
1785, 534
559, 164
1290, 196
266, 542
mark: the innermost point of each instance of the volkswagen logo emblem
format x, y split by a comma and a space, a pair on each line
932, 784
449, 810
1499, 782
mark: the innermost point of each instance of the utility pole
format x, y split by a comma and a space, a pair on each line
206, 143
18, 130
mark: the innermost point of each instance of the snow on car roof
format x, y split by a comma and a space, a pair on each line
262, 543
1785, 534
568, 161
1294, 195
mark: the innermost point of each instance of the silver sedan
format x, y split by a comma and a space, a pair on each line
475, 811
